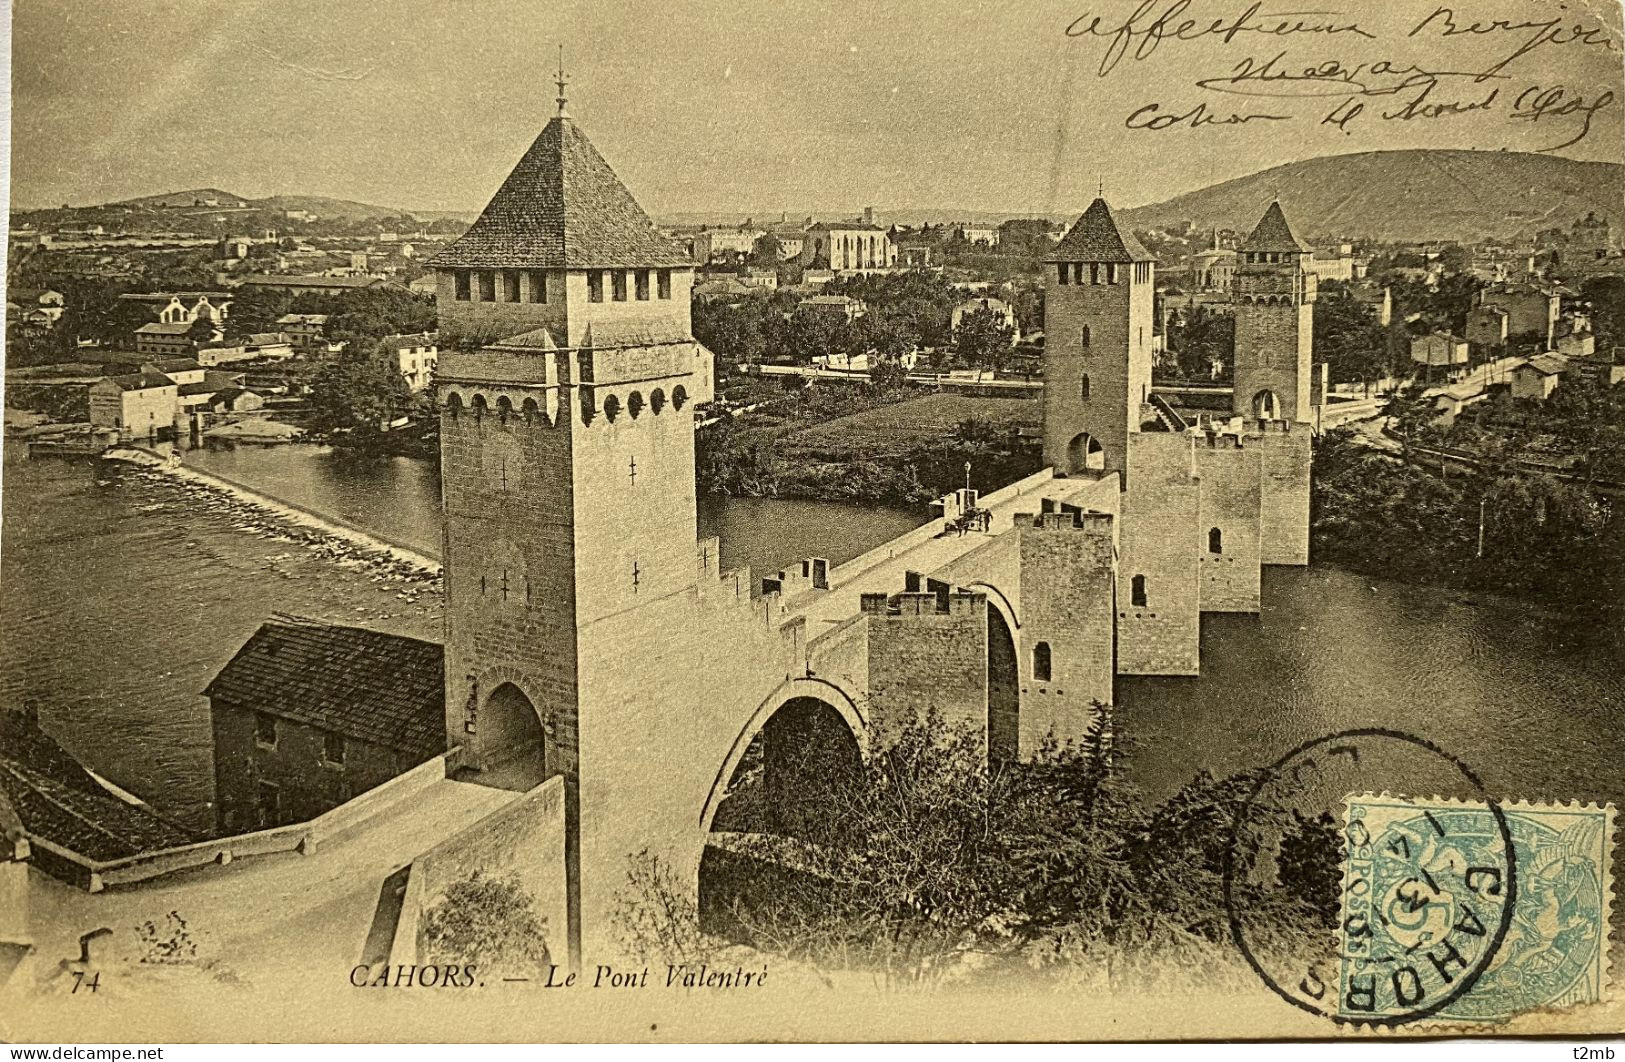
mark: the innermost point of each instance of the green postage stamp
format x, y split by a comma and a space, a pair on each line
1472, 912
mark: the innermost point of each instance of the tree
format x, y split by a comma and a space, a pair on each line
983, 338
256, 310
926, 856
490, 922
1408, 412
354, 398
1348, 337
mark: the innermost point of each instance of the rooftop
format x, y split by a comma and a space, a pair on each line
562, 207
140, 381
160, 328
1096, 238
1548, 364
53, 797
414, 339
1273, 233
384, 689
311, 282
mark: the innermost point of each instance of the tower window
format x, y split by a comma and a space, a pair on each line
538, 286
619, 277
510, 285
488, 286
1094, 272
595, 287
643, 285
1086, 335
663, 284
1215, 540
1137, 591
1061, 272
1111, 272
1083, 388
1041, 662
459, 279
333, 748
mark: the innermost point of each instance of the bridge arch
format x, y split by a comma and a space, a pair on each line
510, 734
800, 692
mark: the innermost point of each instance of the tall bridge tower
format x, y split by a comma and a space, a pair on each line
1274, 303
567, 455
1098, 326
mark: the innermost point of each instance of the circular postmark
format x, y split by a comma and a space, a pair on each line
1423, 896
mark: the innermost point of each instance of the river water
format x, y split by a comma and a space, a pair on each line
124, 593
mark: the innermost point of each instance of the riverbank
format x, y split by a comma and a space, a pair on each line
901, 452
1525, 537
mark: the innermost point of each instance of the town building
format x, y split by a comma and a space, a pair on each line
1579, 343
764, 279
413, 356
177, 339
1599, 369
137, 406
1379, 299
978, 235
842, 308
184, 307
1592, 237
848, 246
308, 715
1531, 309
1213, 269
1334, 263
257, 346
1487, 329
319, 285
1441, 352
235, 400
725, 245
306, 332
1538, 377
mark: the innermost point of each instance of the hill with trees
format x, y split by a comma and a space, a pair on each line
1421, 194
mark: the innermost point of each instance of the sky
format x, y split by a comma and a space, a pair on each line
753, 107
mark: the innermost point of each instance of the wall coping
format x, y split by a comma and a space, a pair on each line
303, 837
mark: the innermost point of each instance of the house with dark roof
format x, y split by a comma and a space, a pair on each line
174, 339
322, 285
308, 715
49, 800
1538, 377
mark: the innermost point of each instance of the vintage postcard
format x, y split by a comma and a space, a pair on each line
894, 521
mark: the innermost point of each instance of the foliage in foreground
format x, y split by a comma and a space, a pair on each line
924, 865
489, 921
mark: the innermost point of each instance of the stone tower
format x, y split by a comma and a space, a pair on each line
1274, 303
567, 451
1097, 353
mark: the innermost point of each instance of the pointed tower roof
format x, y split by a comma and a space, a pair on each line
1096, 238
562, 207
1274, 234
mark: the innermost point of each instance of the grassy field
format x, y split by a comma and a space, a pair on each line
904, 427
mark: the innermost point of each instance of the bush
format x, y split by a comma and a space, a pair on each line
490, 921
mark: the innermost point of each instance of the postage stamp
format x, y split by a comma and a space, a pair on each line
1472, 912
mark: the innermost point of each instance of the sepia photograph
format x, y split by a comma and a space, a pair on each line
720, 522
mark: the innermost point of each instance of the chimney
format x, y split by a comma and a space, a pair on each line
868, 215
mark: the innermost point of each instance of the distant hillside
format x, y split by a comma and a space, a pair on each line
320, 205
1420, 194
190, 197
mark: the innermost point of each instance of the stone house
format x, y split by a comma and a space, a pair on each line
1439, 351
308, 715
1538, 377
137, 405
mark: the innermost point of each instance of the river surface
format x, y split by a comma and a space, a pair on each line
124, 592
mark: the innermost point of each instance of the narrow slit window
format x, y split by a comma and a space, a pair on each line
1041, 662
1137, 591
1215, 540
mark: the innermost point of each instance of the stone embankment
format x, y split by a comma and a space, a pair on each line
255, 512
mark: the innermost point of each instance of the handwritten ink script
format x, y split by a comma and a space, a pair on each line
1350, 71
